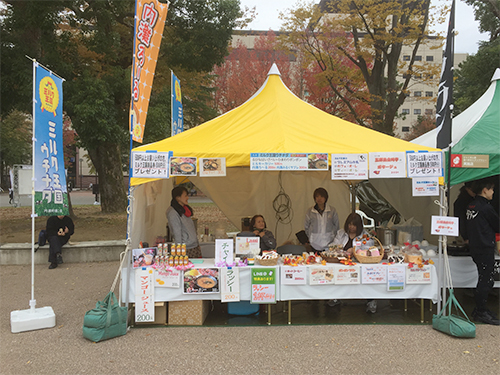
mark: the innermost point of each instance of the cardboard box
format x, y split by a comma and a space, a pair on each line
160, 315
188, 313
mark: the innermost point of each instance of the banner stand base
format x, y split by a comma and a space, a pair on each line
32, 319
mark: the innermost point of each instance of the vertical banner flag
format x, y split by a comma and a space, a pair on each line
150, 18
177, 114
445, 91
51, 195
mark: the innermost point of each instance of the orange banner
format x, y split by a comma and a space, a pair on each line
149, 23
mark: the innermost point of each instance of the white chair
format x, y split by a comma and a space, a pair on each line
368, 222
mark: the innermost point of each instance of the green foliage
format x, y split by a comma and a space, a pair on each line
474, 75
15, 136
487, 12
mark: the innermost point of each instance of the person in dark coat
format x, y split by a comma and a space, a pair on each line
460, 207
482, 224
59, 229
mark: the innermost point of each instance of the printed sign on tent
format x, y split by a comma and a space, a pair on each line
425, 187
182, 166
150, 164
349, 166
263, 285
144, 296
444, 225
424, 164
229, 284
212, 167
278, 162
387, 164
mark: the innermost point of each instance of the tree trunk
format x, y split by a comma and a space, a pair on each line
70, 208
107, 161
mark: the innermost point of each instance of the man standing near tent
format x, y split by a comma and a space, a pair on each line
482, 224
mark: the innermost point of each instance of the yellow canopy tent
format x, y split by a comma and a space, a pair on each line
273, 120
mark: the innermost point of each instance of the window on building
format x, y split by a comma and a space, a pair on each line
429, 111
405, 111
418, 58
417, 111
429, 94
405, 129
417, 93
406, 57
429, 58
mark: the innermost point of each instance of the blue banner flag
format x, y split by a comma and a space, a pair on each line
177, 113
51, 195
445, 91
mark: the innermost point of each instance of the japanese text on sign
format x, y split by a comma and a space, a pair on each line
150, 164
444, 225
287, 161
144, 296
424, 164
230, 284
387, 164
349, 166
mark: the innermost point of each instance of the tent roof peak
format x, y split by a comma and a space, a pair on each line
274, 70
496, 75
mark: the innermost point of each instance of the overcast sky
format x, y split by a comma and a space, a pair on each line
465, 42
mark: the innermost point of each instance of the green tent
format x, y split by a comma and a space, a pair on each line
476, 131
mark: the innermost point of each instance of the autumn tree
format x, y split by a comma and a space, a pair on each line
370, 34
422, 125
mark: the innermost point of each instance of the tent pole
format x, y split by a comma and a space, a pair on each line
442, 198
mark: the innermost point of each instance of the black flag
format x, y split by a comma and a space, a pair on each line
445, 92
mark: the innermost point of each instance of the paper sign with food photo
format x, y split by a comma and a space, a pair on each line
321, 276
143, 257
317, 161
201, 280
212, 167
182, 166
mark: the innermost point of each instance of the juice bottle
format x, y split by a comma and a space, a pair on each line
186, 260
183, 249
171, 261
176, 261
159, 251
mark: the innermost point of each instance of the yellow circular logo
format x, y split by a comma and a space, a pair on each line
49, 95
137, 130
177, 91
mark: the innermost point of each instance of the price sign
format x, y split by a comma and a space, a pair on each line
144, 296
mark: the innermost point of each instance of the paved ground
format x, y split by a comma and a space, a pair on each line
342, 349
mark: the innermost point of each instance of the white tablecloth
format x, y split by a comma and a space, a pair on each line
294, 292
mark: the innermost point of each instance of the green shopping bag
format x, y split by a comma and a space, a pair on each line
106, 321
451, 324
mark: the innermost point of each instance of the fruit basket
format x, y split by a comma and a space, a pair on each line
368, 258
270, 259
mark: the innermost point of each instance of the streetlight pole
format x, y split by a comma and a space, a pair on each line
80, 165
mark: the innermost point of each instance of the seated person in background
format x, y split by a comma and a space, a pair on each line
258, 227
59, 230
180, 222
321, 221
353, 228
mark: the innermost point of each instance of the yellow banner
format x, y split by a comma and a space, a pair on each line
149, 23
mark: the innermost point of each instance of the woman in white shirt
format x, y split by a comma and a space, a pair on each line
321, 221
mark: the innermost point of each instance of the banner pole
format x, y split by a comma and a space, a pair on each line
33, 141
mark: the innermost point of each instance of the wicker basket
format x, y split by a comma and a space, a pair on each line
367, 259
409, 258
268, 262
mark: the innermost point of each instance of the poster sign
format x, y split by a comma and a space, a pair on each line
444, 225
247, 245
419, 275
224, 251
143, 257
373, 274
176, 107
144, 296
425, 187
263, 285
347, 275
168, 278
387, 165
321, 276
293, 275
396, 277
229, 284
150, 164
51, 194
201, 280
349, 166
470, 161
287, 161
212, 167
424, 164
182, 166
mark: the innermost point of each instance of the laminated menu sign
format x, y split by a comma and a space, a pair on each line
150, 164
419, 275
293, 275
144, 296
212, 167
288, 162
223, 251
387, 164
201, 280
229, 284
248, 245
321, 276
349, 166
444, 225
373, 274
263, 285
168, 278
347, 275
396, 278
425, 187
183, 166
